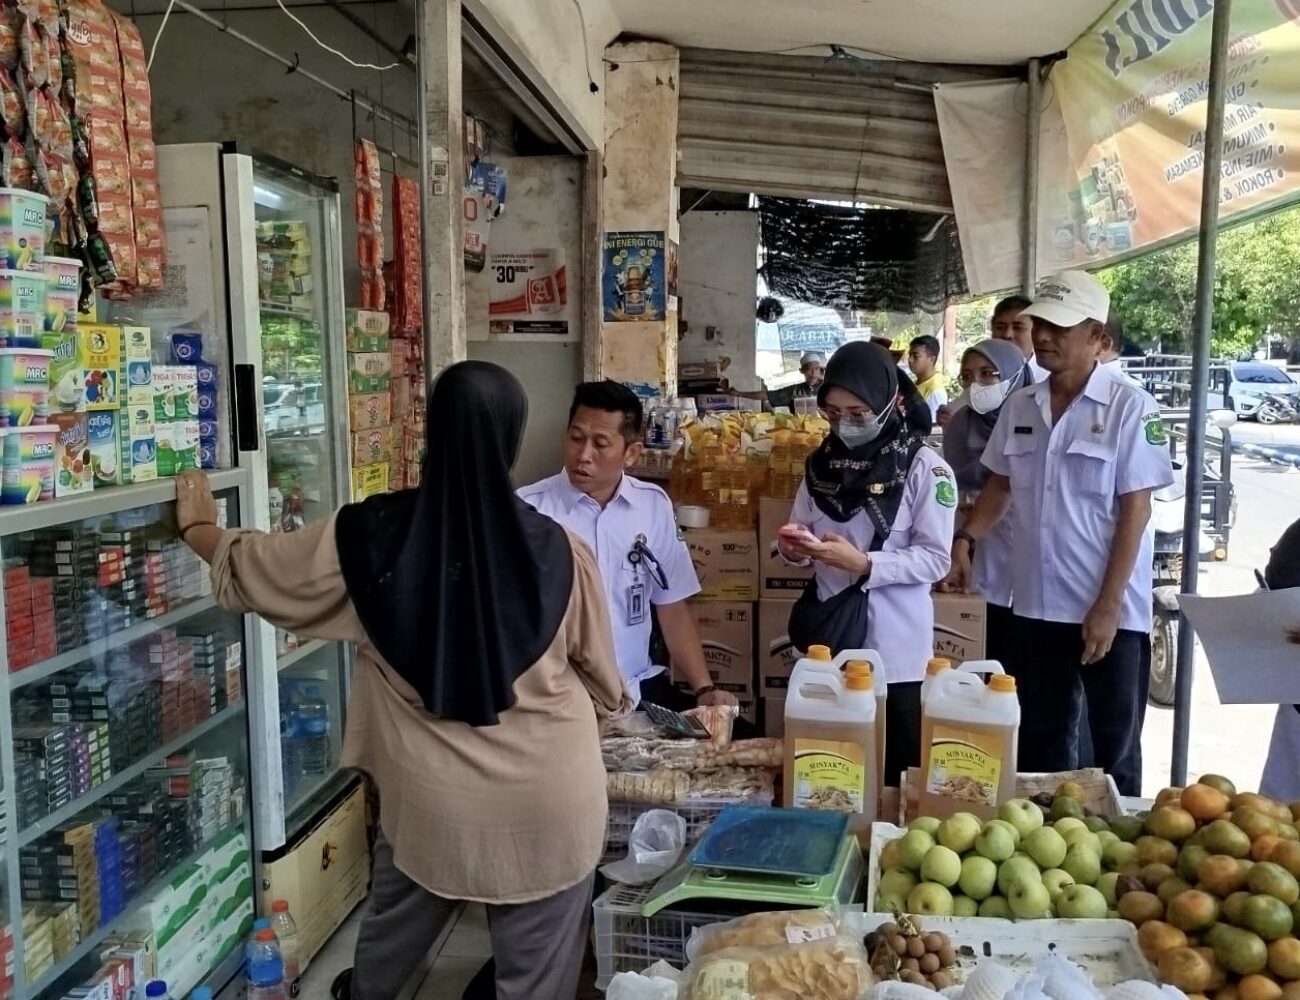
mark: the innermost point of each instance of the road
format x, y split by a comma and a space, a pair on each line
1232, 739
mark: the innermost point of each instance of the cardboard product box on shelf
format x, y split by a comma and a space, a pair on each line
960, 621
776, 655
727, 635
774, 716
726, 563
777, 578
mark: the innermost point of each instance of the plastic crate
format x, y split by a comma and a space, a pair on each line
628, 942
698, 816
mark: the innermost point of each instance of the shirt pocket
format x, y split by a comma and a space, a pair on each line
1089, 468
1020, 453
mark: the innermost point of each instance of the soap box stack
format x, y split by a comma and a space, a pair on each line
370, 411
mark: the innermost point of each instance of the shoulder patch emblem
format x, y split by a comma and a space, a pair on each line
945, 493
1154, 429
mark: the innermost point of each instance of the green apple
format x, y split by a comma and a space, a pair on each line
1029, 899
995, 843
1046, 847
1064, 826
1016, 870
1086, 837
958, 832
1081, 902
941, 865
1107, 886
1083, 863
996, 906
964, 906
1107, 838
1022, 814
889, 904
1119, 855
930, 899
1057, 880
930, 824
898, 882
1006, 826
978, 878
912, 847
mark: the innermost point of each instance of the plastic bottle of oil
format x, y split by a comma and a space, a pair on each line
933, 669
710, 482
778, 465
969, 733
830, 742
741, 511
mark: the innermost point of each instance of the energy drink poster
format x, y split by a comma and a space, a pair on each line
634, 283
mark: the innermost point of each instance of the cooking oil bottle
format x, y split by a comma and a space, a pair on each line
830, 742
969, 733
933, 669
709, 460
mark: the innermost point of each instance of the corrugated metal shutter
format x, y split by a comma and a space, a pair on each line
808, 128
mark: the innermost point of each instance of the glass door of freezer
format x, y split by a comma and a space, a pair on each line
304, 405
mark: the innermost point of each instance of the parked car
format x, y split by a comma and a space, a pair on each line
1255, 390
293, 409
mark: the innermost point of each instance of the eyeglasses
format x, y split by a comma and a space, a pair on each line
985, 377
854, 413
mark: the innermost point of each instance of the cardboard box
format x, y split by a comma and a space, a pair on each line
777, 579
959, 626
774, 716
726, 563
776, 655
727, 635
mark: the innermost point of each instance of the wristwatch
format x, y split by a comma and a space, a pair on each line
707, 689
964, 536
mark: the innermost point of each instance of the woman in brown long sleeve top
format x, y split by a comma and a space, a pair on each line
485, 661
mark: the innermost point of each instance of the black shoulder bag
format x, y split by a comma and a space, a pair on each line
839, 622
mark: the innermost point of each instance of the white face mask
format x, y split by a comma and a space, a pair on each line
987, 398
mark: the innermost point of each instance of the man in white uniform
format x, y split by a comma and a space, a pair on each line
629, 525
1010, 323
1081, 454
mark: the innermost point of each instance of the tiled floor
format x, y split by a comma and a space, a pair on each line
445, 973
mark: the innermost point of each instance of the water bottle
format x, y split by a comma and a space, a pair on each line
287, 933
313, 734
265, 967
201, 993
290, 766
157, 990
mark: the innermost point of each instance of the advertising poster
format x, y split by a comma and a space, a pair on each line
1122, 142
527, 292
634, 286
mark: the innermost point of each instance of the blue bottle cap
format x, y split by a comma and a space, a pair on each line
157, 988
261, 922
201, 993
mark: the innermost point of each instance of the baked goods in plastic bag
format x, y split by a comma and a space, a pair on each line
832, 969
764, 930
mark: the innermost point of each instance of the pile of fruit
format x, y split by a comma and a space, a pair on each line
1210, 877
900, 951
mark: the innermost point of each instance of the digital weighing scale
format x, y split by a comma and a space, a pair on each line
765, 856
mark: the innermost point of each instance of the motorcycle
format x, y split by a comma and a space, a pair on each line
1277, 409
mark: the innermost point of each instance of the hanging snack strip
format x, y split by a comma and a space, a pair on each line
407, 306
370, 228
146, 201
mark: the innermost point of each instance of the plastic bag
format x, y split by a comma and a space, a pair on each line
718, 720
653, 847
653, 984
833, 969
763, 930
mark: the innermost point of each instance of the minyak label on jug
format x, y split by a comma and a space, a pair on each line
964, 765
829, 775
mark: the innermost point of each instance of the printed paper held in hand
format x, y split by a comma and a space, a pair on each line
1246, 642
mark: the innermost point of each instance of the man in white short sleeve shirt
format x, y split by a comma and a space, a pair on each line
629, 525
1081, 454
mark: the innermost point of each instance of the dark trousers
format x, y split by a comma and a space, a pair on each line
902, 730
1052, 683
1000, 634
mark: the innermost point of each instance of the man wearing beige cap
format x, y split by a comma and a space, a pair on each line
1081, 454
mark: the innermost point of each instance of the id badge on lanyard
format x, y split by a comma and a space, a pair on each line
636, 603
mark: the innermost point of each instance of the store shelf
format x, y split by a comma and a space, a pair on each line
304, 806
296, 656
123, 920
146, 628
52, 513
123, 777
274, 309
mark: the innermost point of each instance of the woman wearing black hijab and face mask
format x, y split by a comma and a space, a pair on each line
484, 662
877, 505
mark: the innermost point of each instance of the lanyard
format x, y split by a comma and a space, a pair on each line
640, 553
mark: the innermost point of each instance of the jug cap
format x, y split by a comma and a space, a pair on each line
857, 677
1002, 682
821, 653
938, 665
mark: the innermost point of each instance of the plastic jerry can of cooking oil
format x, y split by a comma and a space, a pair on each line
830, 742
820, 657
969, 732
939, 664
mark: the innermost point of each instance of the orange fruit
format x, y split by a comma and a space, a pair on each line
1257, 987
1205, 802
1156, 937
1287, 854
1262, 848
1187, 969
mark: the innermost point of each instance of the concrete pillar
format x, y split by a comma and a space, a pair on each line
442, 167
639, 194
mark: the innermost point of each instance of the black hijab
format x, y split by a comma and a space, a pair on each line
1283, 569
460, 585
843, 481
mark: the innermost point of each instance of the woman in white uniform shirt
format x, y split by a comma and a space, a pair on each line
1281, 778
880, 505
990, 372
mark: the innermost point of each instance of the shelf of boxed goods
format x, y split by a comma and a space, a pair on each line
53, 513
54, 820
123, 921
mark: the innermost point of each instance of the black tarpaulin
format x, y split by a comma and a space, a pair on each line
860, 258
